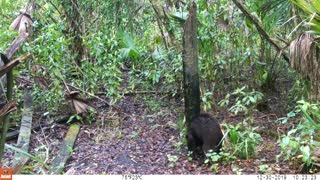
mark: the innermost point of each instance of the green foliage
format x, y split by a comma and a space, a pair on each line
213, 159
124, 33
117, 32
263, 168
244, 101
50, 49
104, 50
6, 37
172, 160
207, 100
236, 168
243, 140
299, 91
181, 17
129, 49
312, 9
229, 57
89, 117
180, 126
274, 13
160, 67
74, 117
101, 69
39, 159
9, 8
303, 140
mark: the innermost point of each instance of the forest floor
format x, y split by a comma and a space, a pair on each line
145, 139
146, 135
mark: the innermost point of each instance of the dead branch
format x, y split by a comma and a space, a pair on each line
7, 108
13, 48
7, 67
92, 95
259, 28
159, 24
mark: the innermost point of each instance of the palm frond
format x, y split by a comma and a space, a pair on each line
275, 11
304, 58
312, 10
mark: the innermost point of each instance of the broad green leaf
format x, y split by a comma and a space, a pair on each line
291, 114
252, 99
285, 140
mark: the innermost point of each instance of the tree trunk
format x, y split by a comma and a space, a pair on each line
74, 20
190, 66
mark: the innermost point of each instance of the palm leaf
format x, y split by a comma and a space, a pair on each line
275, 12
316, 4
304, 5
312, 10
24, 153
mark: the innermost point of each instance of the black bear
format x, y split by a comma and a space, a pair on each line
204, 133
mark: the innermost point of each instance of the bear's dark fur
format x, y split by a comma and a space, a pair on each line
204, 133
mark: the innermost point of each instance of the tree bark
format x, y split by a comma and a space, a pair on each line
190, 66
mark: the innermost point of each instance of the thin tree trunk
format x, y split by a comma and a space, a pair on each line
190, 66
159, 25
6, 122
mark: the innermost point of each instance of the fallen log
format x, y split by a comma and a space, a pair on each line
13, 134
17, 168
25, 130
65, 150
